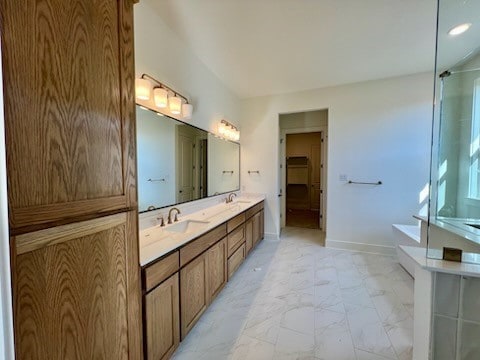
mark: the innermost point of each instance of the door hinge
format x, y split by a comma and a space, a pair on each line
281, 141
281, 166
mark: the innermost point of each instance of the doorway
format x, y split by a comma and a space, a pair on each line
303, 155
303, 180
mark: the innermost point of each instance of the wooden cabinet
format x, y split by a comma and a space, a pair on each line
248, 235
162, 320
68, 78
216, 269
256, 228
236, 260
193, 293
75, 293
201, 280
68, 75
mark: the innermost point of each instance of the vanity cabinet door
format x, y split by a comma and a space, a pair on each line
162, 319
262, 224
256, 228
193, 293
249, 235
216, 268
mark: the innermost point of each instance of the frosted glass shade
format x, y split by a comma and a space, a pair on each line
187, 110
142, 89
222, 128
160, 96
175, 104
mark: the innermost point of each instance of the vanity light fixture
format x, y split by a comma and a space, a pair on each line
163, 96
228, 131
459, 29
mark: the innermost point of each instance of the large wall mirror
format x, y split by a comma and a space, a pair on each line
178, 162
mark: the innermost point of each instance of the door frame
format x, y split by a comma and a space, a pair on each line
6, 312
283, 170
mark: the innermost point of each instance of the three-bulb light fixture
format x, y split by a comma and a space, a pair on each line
163, 96
228, 131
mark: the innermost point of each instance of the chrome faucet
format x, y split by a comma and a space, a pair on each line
230, 197
170, 215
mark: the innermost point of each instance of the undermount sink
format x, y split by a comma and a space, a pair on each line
243, 202
186, 226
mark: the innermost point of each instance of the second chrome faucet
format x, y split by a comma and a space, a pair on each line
229, 199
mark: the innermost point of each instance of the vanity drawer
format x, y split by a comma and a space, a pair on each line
235, 222
253, 210
198, 246
235, 238
236, 260
154, 274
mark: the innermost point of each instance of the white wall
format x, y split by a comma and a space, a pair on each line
160, 53
378, 130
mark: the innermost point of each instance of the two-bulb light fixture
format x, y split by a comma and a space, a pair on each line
228, 131
163, 96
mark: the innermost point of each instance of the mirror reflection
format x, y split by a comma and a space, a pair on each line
456, 160
178, 162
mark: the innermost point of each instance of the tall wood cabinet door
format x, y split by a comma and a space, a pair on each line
262, 224
216, 268
76, 291
68, 75
256, 228
162, 319
248, 235
193, 293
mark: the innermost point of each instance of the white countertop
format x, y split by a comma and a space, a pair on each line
419, 255
157, 241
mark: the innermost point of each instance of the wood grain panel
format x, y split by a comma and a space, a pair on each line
72, 299
236, 260
39, 239
162, 320
154, 274
216, 269
235, 238
236, 221
256, 228
70, 133
248, 235
193, 293
198, 246
253, 210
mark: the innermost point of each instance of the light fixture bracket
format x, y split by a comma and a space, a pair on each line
163, 86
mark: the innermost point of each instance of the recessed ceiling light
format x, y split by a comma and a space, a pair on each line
459, 29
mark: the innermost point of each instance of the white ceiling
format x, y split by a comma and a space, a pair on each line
264, 47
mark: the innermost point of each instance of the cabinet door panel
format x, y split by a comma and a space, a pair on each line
248, 235
74, 296
256, 228
193, 293
162, 317
217, 268
68, 68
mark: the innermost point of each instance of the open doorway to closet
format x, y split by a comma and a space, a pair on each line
303, 169
303, 180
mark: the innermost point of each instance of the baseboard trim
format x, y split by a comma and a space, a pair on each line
271, 236
362, 247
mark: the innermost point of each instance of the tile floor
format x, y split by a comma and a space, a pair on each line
305, 301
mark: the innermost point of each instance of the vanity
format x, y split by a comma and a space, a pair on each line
185, 265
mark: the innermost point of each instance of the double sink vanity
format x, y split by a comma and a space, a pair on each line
186, 264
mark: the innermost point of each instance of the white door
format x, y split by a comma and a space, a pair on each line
185, 167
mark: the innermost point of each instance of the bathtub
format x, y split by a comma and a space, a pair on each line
409, 235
